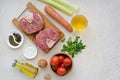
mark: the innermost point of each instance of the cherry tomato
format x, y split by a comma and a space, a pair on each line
54, 61
67, 62
61, 58
61, 71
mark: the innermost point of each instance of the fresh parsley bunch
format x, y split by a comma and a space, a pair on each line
73, 47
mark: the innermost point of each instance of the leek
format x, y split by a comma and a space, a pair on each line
68, 4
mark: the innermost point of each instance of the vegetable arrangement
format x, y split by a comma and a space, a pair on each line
73, 47
60, 63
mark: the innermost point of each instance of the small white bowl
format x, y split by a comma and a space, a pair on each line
19, 44
30, 51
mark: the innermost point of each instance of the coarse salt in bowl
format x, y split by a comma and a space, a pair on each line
30, 51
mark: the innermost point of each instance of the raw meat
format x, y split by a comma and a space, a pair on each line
47, 38
31, 23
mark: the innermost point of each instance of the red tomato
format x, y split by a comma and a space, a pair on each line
54, 61
67, 62
61, 58
61, 71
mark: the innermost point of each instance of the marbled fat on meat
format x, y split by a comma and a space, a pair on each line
31, 25
50, 34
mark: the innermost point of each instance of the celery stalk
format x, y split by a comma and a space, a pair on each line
58, 6
68, 4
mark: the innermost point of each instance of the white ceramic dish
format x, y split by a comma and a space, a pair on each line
30, 51
20, 43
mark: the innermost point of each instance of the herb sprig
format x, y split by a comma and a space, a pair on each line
73, 47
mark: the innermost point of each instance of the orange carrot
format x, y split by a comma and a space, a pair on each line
50, 11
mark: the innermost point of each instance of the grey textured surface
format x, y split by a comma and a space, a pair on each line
100, 59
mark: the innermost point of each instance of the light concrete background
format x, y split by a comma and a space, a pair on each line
99, 61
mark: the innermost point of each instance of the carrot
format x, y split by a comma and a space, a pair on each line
50, 11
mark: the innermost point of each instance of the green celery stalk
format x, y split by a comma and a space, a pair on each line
58, 6
68, 4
